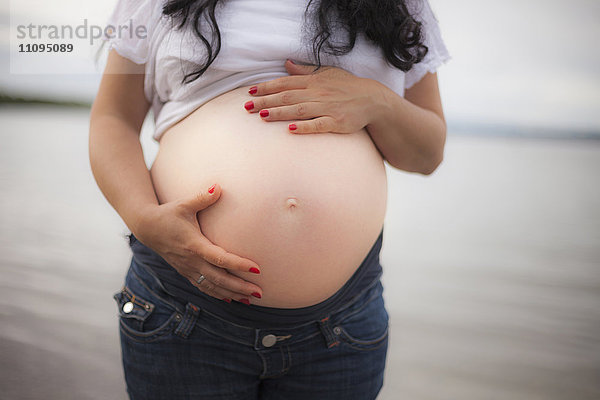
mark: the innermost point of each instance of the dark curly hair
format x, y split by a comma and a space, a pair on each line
387, 23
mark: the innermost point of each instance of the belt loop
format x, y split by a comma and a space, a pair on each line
330, 339
188, 321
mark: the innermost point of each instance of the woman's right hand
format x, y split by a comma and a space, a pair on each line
172, 230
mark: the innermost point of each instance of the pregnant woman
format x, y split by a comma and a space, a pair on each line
256, 232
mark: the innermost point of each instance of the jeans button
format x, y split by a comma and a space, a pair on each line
337, 330
269, 340
127, 307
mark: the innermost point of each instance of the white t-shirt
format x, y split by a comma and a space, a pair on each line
256, 38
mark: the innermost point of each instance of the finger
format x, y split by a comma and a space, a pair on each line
317, 125
298, 69
306, 110
213, 290
223, 259
280, 84
225, 280
217, 292
203, 199
287, 97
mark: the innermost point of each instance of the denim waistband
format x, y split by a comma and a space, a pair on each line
173, 283
192, 315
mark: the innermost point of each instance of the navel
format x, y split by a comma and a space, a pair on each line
291, 203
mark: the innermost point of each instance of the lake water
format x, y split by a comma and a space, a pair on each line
492, 268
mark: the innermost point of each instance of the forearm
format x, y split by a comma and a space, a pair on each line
409, 137
118, 166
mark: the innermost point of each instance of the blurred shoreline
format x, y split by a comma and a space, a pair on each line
20, 100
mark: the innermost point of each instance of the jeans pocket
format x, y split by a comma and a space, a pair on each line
141, 319
364, 328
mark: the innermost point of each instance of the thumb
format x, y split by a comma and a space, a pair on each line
204, 199
296, 69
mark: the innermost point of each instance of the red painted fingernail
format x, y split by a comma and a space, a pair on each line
245, 301
253, 90
254, 270
227, 300
256, 294
292, 127
264, 113
249, 105
211, 189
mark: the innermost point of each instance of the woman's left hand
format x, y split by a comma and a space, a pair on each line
328, 100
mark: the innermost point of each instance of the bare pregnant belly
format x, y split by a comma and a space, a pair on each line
306, 208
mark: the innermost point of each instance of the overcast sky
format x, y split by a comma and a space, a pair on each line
532, 62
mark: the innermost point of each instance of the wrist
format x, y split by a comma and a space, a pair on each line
379, 102
138, 218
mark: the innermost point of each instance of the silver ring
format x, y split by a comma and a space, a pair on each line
202, 277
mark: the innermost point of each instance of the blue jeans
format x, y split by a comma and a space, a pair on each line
172, 350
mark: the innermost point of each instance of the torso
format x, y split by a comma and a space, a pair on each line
306, 208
